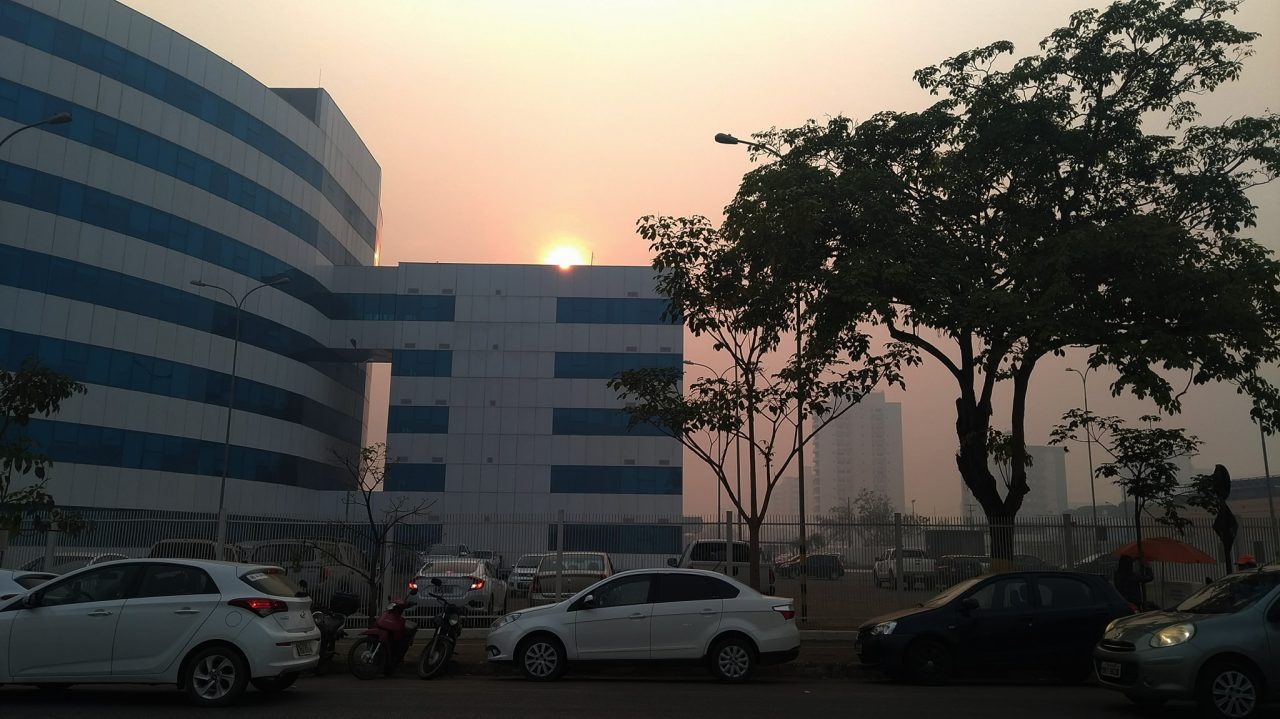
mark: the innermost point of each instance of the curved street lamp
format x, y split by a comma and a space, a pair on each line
61, 118
231, 403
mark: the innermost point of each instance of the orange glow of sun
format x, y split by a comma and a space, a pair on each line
565, 256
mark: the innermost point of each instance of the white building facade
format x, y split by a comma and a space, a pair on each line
861, 449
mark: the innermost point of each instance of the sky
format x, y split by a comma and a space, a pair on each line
506, 129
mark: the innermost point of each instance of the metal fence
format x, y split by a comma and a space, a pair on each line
827, 598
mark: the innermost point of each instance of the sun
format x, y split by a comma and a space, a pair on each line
565, 256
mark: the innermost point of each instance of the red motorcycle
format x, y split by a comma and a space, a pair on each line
382, 646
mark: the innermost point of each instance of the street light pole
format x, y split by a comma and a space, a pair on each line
1088, 443
1271, 502
61, 118
220, 542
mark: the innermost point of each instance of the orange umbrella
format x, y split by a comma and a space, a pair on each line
1165, 549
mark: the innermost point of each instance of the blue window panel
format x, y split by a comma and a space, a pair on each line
619, 538
605, 479
38, 30
418, 420
108, 447
599, 422
607, 365
402, 477
390, 307
613, 311
38, 272
141, 373
421, 363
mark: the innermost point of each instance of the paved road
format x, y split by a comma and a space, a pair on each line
673, 695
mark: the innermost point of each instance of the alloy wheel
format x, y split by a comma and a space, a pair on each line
733, 661
541, 659
1234, 693
214, 676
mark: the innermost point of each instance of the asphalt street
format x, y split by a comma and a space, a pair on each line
676, 694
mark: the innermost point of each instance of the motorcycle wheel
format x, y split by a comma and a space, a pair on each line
435, 657
366, 658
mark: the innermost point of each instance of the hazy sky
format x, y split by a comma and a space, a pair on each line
506, 128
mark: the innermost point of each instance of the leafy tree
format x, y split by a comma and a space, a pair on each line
1141, 462
1065, 199
373, 531
30, 391
869, 514
745, 317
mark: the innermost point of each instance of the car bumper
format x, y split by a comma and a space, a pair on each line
780, 657
882, 651
1168, 673
281, 653
500, 646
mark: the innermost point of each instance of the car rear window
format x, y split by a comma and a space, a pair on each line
579, 563
272, 581
913, 553
29, 581
284, 553
449, 566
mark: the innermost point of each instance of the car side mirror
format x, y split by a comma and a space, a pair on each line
589, 601
671, 562
31, 601
968, 604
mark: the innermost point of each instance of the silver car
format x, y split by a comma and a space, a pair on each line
522, 573
1219, 648
472, 584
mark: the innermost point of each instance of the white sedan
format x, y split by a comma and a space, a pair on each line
651, 615
211, 628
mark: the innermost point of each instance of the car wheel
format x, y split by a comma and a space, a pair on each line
732, 659
1228, 689
541, 658
274, 684
215, 676
928, 661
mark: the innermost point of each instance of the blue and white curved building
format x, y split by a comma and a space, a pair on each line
178, 166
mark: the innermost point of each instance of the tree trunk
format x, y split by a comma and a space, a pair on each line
972, 423
753, 543
1137, 533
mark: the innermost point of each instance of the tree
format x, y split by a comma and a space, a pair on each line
379, 515
869, 514
30, 391
1141, 462
1039, 205
745, 316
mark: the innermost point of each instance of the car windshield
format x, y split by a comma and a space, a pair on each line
913, 554
1232, 594
954, 591
574, 563
449, 566
529, 561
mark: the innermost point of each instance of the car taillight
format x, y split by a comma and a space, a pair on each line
476, 583
413, 586
1133, 608
261, 607
786, 611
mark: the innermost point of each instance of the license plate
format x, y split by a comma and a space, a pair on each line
1110, 669
305, 649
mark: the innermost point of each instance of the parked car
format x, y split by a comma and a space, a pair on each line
324, 566
470, 583
1043, 619
195, 549
581, 570
522, 574
17, 581
445, 550
494, 558
709, 555
651, 615
954, 568
917, 568
1220, 647
211, 628
1103, 565
1028, 562
818, 566
66, 562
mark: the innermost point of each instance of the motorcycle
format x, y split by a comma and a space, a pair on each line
383, 645
331, 622
447, 626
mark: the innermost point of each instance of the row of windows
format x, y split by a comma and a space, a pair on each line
94, 53
600, 422
39, 272
619, 538
604, 479
410, 308
607, 365
614, 311
421, 363
108, 447
405, 477
417, 420
25, 105
127, 370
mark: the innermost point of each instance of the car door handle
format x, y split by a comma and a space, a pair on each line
100, 613
637, 615
707, 611
186, 610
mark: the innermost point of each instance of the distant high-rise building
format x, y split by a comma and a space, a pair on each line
784, 503
861, 449
1046, 477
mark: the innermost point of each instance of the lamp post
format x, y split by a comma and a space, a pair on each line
1088, 443
725, 138
61, 118
1271, 502
220, 542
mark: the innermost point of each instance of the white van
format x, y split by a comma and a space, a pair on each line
709, 554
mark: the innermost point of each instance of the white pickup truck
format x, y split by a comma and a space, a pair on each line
916, 569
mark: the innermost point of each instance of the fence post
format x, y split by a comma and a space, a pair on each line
50, 547
559, 552
728, 544
899, 585
1068, 540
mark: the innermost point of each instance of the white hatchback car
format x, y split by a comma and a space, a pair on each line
651, 615
209, 627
